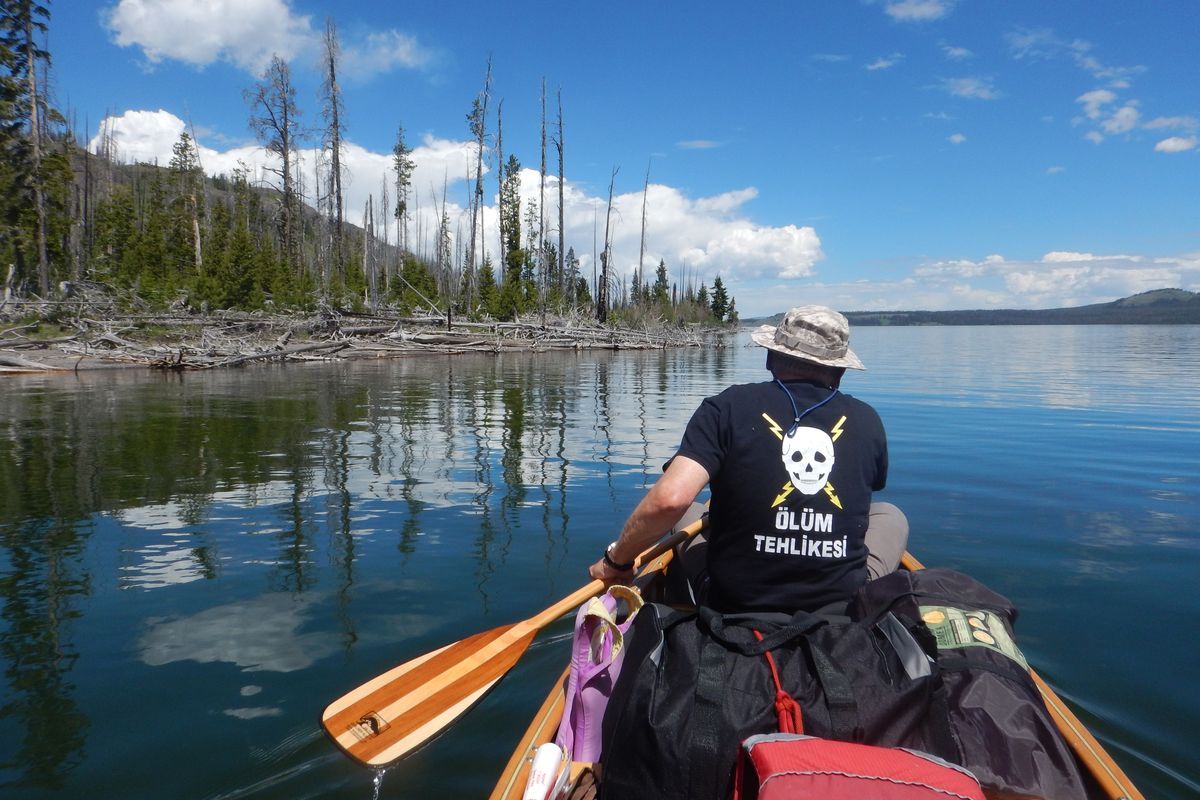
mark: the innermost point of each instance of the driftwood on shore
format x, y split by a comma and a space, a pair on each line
180, 340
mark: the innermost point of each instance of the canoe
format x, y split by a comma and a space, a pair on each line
1107, 781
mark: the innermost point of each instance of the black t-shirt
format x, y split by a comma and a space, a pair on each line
789, 507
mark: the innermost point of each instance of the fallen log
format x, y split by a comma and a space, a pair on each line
25, 363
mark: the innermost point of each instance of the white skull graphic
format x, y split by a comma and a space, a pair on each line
808, 458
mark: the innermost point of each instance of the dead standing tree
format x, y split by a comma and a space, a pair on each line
542, 213
606, 257
331, 110
477, 120
275, 120
558, 146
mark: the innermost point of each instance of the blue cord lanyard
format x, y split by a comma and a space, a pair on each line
796, 412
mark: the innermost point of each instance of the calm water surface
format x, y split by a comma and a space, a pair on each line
192, 566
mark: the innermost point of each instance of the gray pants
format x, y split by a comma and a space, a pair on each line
886, 540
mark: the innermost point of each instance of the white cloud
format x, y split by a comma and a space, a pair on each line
956, 138
1066, 256
918, 10
698, 144
244, 32
1177, 144
1056, 169
957, 53
976, 88
885, 62
1123, 119
247, 33
1045, 44
1058, 279
1093, 102
1182, 123
382, 51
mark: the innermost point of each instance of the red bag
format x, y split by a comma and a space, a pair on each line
787, 766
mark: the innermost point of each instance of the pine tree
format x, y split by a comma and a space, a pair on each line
661, 291
402, 165
720, 300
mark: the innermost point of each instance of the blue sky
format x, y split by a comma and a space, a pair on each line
866, 154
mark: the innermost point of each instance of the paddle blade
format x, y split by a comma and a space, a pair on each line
406, 706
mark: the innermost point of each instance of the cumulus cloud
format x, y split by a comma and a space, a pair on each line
918, 10
1103, 108
956, 138
1123, 120
1059, 278
246, 33
1177, 144
957, 53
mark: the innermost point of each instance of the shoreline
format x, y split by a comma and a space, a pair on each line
184, 341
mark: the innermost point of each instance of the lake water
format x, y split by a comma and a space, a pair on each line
192, 566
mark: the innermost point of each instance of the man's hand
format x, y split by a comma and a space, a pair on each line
603, 572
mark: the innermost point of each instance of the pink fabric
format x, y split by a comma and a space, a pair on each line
594, 670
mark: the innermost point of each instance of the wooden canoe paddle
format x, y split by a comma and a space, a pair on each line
388, 716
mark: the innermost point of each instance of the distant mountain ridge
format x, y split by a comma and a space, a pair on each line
1157, 307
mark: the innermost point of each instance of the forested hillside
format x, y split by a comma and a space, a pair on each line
168, 235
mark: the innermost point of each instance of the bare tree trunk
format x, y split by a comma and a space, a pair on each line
641, 275
542, 211
606, 256
561, 227
500, 223
479, 126
197, 200
385, 255
367, 252
35, 139
333, 109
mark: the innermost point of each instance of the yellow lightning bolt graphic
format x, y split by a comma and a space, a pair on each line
776, 428
832, 495
837, 431
783, 494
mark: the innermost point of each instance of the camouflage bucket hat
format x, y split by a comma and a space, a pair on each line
812, 333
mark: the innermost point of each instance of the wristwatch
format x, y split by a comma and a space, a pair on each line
608, 559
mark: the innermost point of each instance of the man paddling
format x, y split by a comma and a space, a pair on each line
791, 464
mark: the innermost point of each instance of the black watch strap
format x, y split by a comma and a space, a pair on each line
609, 560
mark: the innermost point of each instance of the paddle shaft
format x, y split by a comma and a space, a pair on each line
394, 713
575, 599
